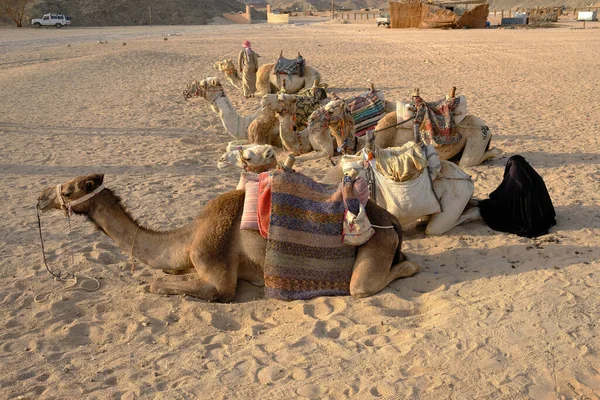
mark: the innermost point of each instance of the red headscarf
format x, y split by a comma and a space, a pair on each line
246, 44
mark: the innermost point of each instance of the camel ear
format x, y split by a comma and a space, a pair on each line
93, 181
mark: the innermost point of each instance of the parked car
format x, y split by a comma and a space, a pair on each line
57, 20
383, 19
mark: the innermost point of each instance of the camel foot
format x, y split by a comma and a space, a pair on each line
179, 271
405, 269
194, 288
492, 153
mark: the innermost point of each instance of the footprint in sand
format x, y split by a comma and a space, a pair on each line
383, 389
270, 374
325, 307
221, 322
311, 392
330, 329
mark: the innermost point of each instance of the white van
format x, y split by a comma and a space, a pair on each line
57, 20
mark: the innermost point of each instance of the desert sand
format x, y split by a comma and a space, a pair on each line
491, 315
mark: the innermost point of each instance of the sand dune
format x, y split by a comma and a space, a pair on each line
490, 316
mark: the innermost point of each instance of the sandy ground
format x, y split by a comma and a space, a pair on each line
490, 316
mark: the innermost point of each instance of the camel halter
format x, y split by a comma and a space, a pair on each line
59, 276
67, 206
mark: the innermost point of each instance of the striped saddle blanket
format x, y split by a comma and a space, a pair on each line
305, 255
366, 110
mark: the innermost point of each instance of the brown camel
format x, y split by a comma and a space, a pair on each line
214, 245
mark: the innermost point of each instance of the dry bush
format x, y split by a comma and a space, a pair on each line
14, 9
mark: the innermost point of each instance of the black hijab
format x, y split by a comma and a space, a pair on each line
521, 204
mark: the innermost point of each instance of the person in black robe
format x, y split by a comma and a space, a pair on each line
521, 204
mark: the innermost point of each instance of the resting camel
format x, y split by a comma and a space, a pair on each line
230, 72
451, 185
251, 157
212, 91
214, 246
474, 144
329, 128
269, 82
240, 127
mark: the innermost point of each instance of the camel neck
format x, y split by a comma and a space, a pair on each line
235, 124
156, 249
292, 140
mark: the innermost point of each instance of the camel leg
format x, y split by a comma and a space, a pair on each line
453, 204
372, 272
478, 139
312, 156
325, 145
218, 281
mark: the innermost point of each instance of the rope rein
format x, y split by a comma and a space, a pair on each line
67, 207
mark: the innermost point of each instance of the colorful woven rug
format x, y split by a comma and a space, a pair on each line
307, 101
366, 110
437, 120
305, 255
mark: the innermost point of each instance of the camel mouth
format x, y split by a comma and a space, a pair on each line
222, 165
43, 204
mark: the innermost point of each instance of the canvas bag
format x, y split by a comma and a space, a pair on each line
407, 201
357, 228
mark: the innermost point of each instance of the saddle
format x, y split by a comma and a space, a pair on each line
294, 66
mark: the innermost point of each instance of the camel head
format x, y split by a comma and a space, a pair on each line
209, 89
226, 67
270, 102
287, 104
335, 116
75, 194
252, 157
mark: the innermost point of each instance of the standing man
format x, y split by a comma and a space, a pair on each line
248, 65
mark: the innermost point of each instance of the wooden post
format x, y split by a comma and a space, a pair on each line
289, 161
509, 12
502, 15
332, 9
494, 12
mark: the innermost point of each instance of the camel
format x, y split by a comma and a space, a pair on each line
269, 82
451, 185
334, 120
212, 91
329, 128
251, 157
214, 246
474, 144
230, 72
264, 131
